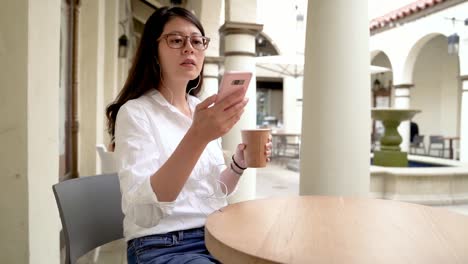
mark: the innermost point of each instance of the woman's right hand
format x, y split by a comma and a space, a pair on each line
210, 123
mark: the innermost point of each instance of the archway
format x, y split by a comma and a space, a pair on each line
436, 86
381, 91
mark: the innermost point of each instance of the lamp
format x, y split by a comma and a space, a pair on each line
261, 41
123, 46
376, 85
453, 43
454, 39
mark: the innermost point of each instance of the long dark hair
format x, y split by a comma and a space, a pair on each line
144, 74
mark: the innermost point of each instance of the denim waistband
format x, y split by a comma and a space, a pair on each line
178, 235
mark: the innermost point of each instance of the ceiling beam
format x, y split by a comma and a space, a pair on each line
141, 10
154, 3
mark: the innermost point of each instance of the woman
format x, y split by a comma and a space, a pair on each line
171, 165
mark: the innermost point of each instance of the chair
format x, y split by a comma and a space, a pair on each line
437, 143
107, 166
107, 159
418, 143
286, 148
90, 211
456, 154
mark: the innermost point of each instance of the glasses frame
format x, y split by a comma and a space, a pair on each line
185, 38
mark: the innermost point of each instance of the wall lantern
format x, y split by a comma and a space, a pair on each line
377, 85
123, 46
454, 39
453, 43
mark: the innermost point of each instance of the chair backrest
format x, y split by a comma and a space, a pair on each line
90, 211
107, 159
418, 139
436, 139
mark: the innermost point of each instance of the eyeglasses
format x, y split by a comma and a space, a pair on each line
177, 41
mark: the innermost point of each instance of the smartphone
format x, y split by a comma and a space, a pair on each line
233, 81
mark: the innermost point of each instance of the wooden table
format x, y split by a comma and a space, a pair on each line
319, 229
451, 139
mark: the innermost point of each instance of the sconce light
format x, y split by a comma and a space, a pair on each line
300, 17
377, 85
123, 42
454, 39
123, 46
260, 41
453, 43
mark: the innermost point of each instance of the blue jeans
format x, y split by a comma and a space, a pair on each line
178, 247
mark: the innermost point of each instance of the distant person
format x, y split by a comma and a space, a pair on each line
414, 130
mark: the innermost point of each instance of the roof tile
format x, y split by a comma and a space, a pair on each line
402, 12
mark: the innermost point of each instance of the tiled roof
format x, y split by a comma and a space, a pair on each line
402, 12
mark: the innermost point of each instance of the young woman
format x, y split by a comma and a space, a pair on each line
171, 166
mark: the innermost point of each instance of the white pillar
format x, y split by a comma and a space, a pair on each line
210, 77
123, 64
464, 119
210, 16
29, 74
463, 54
402, 101
111, 60
336, 103
239, 52
292, 104
91, 43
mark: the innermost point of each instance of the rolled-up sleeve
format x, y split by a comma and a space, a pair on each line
137, 157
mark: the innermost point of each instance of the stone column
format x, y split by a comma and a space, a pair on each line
111, 87
402, 101
29, 74
210, 16
464, 119
336, 100
210, 76
124, 64
463, 54
239, 53
91, 83
292, 106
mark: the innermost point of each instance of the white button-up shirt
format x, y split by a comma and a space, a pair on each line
147, 131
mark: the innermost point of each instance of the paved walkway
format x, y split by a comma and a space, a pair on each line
276, 181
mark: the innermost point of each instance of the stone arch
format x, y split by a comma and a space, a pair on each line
382, 58
265, 44
410, 60
385, 79
435, 91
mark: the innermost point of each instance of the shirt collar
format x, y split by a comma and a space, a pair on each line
161, 100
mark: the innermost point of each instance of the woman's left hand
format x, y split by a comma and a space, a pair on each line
268, 147
239, 153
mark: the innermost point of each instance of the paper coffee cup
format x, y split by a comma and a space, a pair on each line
255, 149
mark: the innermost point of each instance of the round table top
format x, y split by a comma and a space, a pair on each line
322, 229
